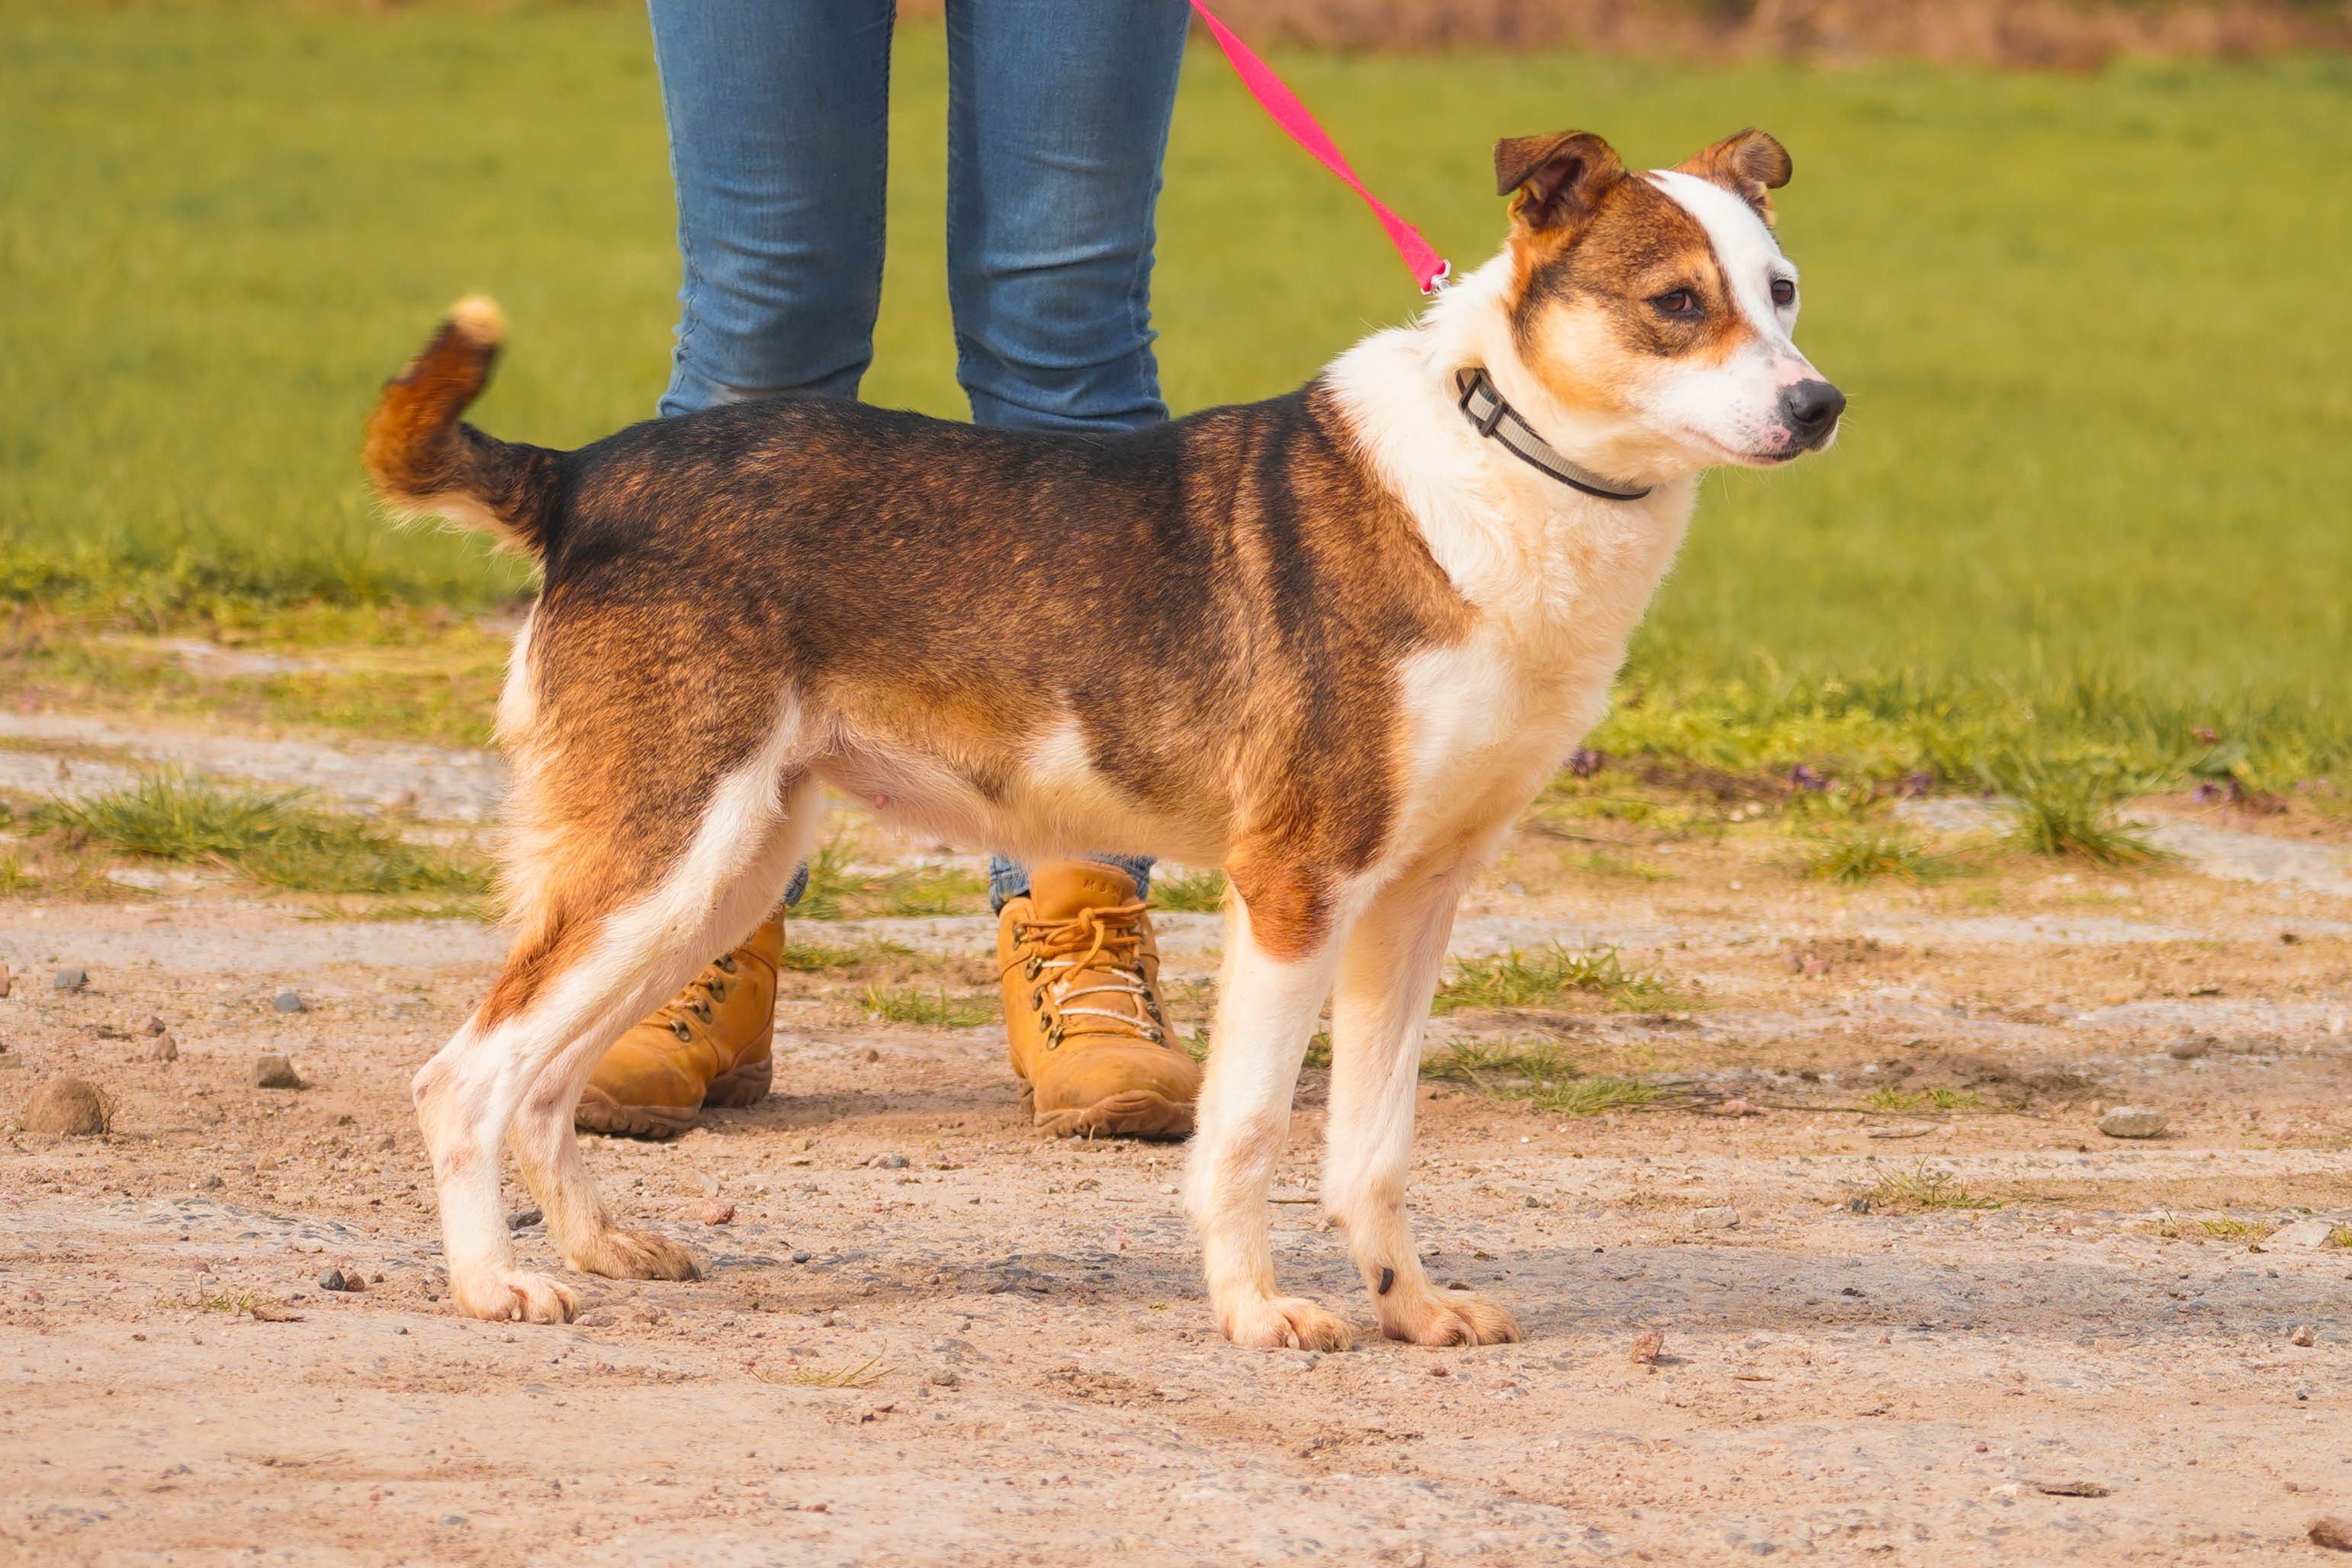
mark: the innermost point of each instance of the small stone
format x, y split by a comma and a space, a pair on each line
2333, 1531
2133, 1121
209, 1184
67, 1107
2190, 1050
2007, 1493
154, 1026
1723, 1218
2305, 1335
271, 1070
889, 1161
703, 1182
69, 980
945, 1377
598, 1318
289, 1002
2071, 1489
715, 1211
1649, 1348
1857, 1205
524, 1218
162, 1049
336, 1280
6, 979
2303, 1233
1738, 1107
799, 1254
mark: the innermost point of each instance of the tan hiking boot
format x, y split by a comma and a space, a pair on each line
707, 1046
1089, 1037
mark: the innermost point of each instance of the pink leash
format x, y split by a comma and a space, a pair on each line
1428, 269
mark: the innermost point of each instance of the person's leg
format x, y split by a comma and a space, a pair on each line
779, 132
1057, 121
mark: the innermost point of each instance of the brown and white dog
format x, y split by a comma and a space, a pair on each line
1334, 642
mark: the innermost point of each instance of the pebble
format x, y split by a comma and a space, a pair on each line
1724, 1218
69, 980
68, 1107
2305, 1335
289, 1002
211, 1184
2071, 1489
2333, 1531
271, 1070
705, 1183
524, 1218
1649, 1348
889, 1161
2303, 1233
154, 1026
945, 1377
799, 1254
2132, 1121
336, 1280
717, 1212
6, 981
2190, 1050
162, 1049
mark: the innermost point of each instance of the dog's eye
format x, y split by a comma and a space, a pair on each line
1784, 292
1676, 303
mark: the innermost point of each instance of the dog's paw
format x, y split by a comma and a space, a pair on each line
505, 1296
635, 1255
1447, 1318
1276, 1321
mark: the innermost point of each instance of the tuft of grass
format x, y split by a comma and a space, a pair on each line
812, 958
864, 1375
2340, 1236
839, 890
2069, 812
1923, 1187
1197, 892
938, 1007
14, 878
276, 838
1547, 978
1539, 1073
1867, 854
1916, 1099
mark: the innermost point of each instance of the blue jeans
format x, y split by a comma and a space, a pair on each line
1057, 122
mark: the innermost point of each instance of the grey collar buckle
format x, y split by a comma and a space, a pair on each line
1500, 422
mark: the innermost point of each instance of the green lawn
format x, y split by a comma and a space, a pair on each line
2095, 332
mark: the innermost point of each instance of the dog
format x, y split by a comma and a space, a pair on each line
1360, 626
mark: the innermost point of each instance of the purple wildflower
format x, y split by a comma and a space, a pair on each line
1585, 762
1803, 777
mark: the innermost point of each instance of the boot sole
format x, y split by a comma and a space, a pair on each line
599, 1113
1130, 1113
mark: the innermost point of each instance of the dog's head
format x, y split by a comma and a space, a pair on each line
1658, 305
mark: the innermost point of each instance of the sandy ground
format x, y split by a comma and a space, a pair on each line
998, 1351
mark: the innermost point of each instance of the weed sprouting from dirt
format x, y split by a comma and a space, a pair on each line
2224, 1229
1539, 1073
1866, 854
1197, 892
2340, 1236
276, 838
1918, 1100
2069, 812
239, 1304
1923, 1187
810, 958
1547, 978
938, 1007
864, 1375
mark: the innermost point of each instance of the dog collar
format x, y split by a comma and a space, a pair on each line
1498, 421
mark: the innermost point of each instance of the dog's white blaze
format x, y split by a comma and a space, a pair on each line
1736, 404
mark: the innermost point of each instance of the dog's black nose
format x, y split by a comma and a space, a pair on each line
1811, 409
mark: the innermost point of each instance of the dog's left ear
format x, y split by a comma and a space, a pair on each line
1555, 180
1750, 165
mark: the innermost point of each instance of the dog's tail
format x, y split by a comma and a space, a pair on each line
424, 462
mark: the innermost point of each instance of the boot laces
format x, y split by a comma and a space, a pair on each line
682, 1013
1103, 948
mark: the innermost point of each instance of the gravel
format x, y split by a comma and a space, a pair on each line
2133, 1121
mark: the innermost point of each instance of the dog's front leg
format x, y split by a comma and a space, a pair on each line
1277, 972
1378, 1015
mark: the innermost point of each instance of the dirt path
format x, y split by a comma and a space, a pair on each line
998, 1351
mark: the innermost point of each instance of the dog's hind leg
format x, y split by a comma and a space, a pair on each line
545, 1142
1281, 947
621, 903
1379, 1012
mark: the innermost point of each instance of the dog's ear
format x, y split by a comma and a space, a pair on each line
1554, 180
1750, 165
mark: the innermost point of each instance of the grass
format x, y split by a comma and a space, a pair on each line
2224, 1229
1867, 854
1539, 1074
2034, 534
937, 1007
1912, 1100
1196, 893
1923, 1187
838, 889
1549, 977
2070, 813
863, 1376
810, 958
276, 838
